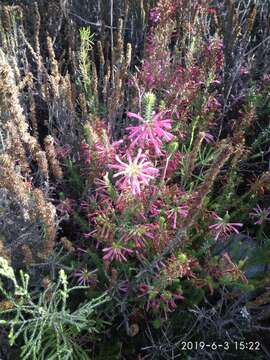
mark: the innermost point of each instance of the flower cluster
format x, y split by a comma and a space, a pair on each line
222, 228
153, 132
151, 191
159, 298
137, 172
261, 215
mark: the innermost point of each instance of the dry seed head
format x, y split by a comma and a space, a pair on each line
100, 53
93, 137
37, 21
4, 250
40, 158
69, 94
106, 83
54, 63
9, 101
16, 70
192, 156
55, 76
95, 79
25, 82
38, 155
83, 103
27, 255
52, 158
6, 305
29, 46
67, 244
10, 180
32, 111
9, 12
205, 188
128, 56
251, 19
15, 148
119, 39
46, 212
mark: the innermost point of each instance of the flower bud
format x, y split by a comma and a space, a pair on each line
182, 258
173, 147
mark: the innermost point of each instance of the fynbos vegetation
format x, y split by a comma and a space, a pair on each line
134, 179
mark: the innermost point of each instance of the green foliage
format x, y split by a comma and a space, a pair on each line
86, 69
74, 177
149, 106
48, 327
110, 351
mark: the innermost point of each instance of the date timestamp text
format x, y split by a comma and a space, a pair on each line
226, 345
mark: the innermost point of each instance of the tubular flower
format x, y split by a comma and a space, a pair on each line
260, 214
86, 277
222, 228
181, 210
139, 235
66, 206
152, 132
116, 252
135, 173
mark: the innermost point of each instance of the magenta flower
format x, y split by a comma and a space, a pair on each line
135, 173
106, 151
223, 228
212, 104
66, 206
170, 298
86, 277
139, 234
244, 70
174, 164
123, 286
85, 153
157, 297
208, 138
260, 214
181, 210
154, 15
116, 252
152, 133
63, 151
143, 289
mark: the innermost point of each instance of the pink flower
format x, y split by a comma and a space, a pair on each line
63, 151
116, 252
154, 15
152, 133
208, 138
170, 298
157, 297
106, 150
86, 277
139, 234
222, 228
212, 104
102, 184
123, 286
66, 206
174, 164
181, 210
211, 11
244, 70
143, 289
85, 153
135, 173
262, 214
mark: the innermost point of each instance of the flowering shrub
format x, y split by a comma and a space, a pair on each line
147, 179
